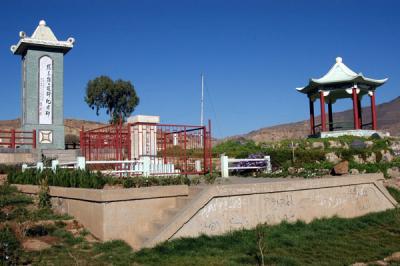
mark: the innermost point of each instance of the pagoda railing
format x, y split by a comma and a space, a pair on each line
341, 125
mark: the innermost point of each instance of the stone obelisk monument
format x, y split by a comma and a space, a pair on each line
42, 85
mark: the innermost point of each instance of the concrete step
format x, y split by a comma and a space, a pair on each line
182, 204
167, 216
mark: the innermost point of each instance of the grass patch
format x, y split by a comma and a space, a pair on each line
9, 196
395, 193
332, 241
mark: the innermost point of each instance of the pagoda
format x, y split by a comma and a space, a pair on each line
341, 82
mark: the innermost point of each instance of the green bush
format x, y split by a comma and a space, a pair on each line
6, 168
61, 178
381, 167
237, 148
9, 247
44, 194
141, 181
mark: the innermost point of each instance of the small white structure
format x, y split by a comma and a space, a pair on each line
143, 135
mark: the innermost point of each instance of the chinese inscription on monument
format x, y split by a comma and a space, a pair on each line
45, 90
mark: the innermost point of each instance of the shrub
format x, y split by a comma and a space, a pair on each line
142, 181
210, 178
44, 194
6, 168
381, 167
61, 178
9, 247
237, 148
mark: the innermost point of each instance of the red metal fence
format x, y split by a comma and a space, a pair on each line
187, 148
15, 138
105, 143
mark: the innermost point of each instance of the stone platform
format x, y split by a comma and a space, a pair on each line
144, 217
353, 132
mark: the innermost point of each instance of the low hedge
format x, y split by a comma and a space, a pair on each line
60, 178
8, 168
87, 179
140, 181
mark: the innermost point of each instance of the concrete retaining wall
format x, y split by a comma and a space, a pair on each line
220, 209
229, 209
138, 216
115, 214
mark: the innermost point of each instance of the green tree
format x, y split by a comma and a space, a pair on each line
118, 97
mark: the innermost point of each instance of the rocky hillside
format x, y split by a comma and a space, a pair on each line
388, 120
72, 126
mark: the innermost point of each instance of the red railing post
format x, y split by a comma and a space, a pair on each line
12, 145
34, 139
89, 146
205, 144
164, 146
129, 141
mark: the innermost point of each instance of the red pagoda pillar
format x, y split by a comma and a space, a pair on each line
360, 122
373, 110
312, 119
355, 109
323, 116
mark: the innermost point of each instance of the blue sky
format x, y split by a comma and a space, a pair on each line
253, 54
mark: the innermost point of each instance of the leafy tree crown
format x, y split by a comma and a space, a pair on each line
118, 97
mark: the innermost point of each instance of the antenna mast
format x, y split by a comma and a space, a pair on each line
202, 101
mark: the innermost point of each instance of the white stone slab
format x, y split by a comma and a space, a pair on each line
144, 119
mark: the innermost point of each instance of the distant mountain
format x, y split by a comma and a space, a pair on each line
72, 126
388, 120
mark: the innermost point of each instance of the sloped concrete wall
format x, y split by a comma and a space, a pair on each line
223, 208
223, 214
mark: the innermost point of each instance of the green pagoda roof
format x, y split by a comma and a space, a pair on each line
341, 77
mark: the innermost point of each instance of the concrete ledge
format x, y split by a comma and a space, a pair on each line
352, 132
110, 195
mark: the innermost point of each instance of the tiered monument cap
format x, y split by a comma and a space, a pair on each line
43, 36
341, 77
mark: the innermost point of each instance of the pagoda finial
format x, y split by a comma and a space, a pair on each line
42, 23
339, 59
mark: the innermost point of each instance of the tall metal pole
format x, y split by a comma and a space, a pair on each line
202, 101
